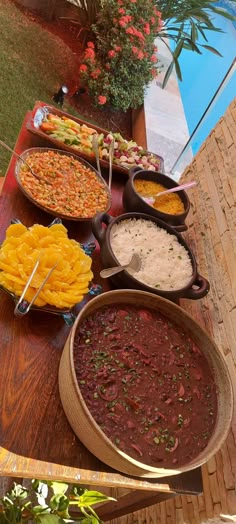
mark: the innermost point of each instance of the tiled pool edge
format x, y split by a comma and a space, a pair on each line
162, 115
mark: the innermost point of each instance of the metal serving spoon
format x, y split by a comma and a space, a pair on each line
96, 151
135, 264
151, 199
26, 163
111, 155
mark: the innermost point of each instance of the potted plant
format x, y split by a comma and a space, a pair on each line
49, 502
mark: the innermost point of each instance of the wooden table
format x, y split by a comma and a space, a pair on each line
35, 437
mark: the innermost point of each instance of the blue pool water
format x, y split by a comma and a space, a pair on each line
203, 74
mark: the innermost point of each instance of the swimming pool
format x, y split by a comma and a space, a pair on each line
203, 74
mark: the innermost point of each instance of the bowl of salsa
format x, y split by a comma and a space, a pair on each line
62, 184
143, 386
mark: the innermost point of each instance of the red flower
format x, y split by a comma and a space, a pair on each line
133, 1
121, 11
83, 68
124, 20
111, 53
139, 35
117, 48
133, 31
102, 100
154, 73
140, 55
146, 28
153, 58
95, 73
89, 53
90, 44
130, 30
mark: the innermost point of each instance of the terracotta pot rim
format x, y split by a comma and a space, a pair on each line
145, 469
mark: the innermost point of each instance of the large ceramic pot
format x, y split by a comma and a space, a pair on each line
132, 201
197, 287
83, 423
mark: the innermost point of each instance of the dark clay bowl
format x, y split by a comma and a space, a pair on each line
132, 201
198, 286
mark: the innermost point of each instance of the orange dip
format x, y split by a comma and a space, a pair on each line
170, 203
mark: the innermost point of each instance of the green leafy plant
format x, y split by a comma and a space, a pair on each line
49, 502
87, 15
121, 60
185, 23
88, 10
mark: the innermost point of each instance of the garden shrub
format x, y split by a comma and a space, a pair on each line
121, 60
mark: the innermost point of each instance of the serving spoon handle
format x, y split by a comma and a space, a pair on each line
177, 188
135, 264
111, 154
22, 159
96, 152
151, 199
106, 273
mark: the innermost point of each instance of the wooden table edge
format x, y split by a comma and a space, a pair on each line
13, 465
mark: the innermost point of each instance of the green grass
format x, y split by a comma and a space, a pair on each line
33, 64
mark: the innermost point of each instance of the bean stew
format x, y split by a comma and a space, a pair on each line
146, 384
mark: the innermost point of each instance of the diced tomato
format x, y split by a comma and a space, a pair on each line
47, 126
181, 390
145, 315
